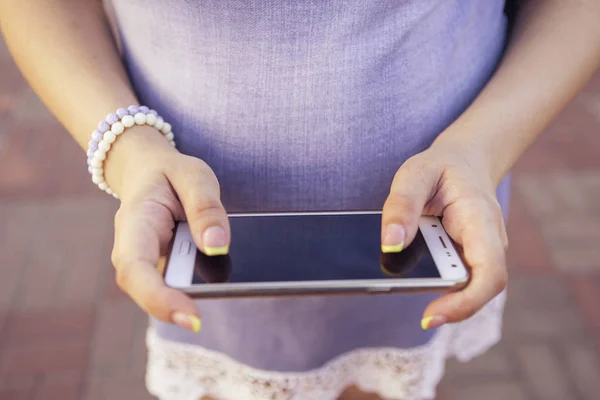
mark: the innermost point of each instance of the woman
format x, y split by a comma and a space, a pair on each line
304, 105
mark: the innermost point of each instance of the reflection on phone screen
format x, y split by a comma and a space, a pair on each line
403, 264
308, 248
215, 269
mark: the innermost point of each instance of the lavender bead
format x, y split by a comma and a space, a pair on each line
133, 109
92, 145
121, 112
144, 110
111, 118
153, 112
103, 126
90, 152
90, 169
96, 136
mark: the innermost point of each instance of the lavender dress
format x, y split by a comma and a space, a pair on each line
309, 105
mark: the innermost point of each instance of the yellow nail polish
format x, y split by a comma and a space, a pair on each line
187, 321
396, 248
425, 323
385, 271
216, 251
196, 323
433, 321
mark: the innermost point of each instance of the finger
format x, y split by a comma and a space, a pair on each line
410, 191
135, 256
198, 189
483, 246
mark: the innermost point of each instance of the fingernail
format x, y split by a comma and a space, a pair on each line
393, 240
214, 241
385, 271
433, 322
187, 321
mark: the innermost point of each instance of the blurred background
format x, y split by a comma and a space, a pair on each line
68, 333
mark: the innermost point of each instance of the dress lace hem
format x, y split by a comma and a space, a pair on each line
179, 371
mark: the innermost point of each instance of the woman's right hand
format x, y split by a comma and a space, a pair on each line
158, 186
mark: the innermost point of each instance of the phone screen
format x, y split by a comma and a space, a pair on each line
311, 248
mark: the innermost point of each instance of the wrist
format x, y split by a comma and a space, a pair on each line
475, 149
133, 149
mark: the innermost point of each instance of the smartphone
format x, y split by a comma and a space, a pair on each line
317, 253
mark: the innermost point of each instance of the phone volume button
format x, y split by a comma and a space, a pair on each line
184, 248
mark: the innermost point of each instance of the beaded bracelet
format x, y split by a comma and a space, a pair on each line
110, 128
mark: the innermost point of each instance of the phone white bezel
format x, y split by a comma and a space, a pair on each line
453, 274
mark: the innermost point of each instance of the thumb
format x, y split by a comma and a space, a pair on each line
199, 193
411, 189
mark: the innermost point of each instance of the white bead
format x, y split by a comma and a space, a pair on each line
97, 171
109, 137
117, 128
150, 119
96, 163
166, 128
140, 118
159, 123
104, 146
109, 191
172, 143
97, 179
115, 196
170, 136
128, 121
103, 186
100, 154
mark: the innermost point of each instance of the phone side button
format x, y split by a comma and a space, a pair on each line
184, 247
375, 290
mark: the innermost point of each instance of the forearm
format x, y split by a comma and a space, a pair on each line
66, 52
554, 51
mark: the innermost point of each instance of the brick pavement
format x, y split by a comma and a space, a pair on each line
67, 333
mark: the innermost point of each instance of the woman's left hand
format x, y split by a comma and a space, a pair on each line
448, 180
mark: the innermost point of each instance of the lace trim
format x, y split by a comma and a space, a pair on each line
179, 371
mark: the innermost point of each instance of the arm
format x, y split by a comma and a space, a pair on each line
65, 50
553, 51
